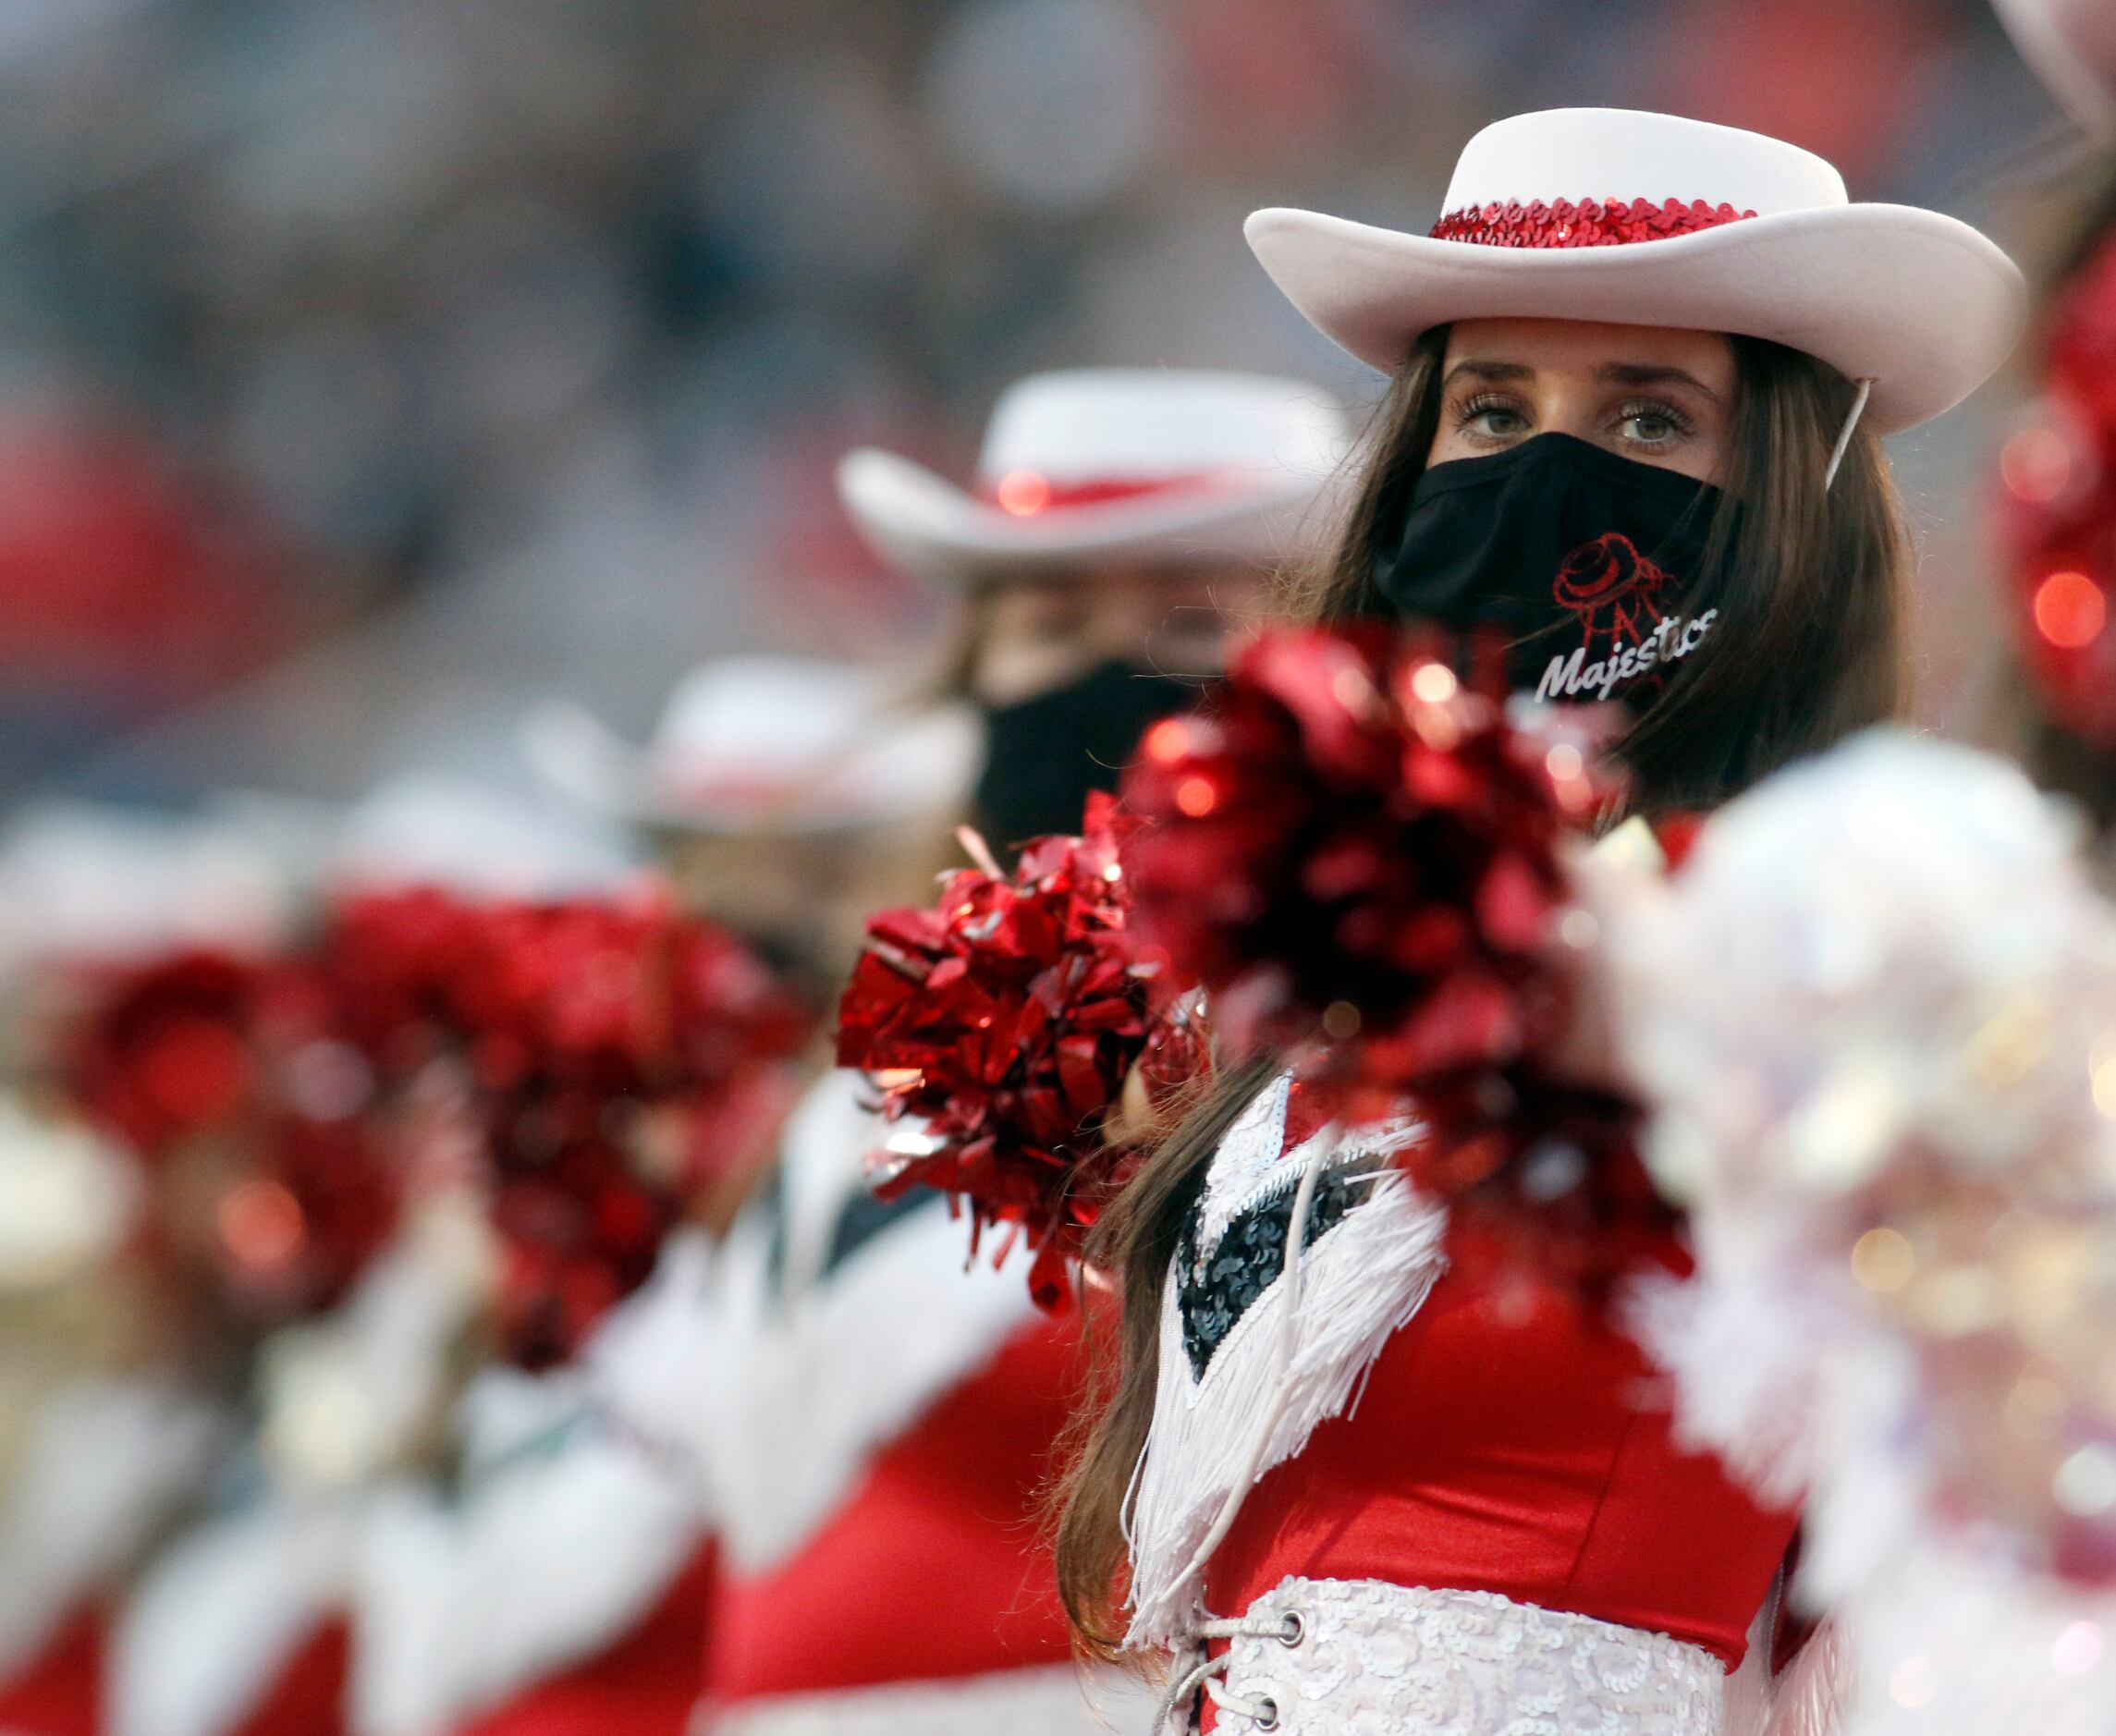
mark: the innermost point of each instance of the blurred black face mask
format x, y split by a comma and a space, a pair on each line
1580, 560
1043, 754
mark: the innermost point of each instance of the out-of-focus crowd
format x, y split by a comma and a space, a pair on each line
467, 356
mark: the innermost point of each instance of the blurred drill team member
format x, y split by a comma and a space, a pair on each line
256, 1616
1119, 521
111, 1425
874, 1426
2059, 470
786, 797
561, 1588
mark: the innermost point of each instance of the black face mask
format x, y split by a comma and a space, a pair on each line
1043, 755
1582, 560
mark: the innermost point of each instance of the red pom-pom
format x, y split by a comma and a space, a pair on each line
1360, 860
1008, 1020
162, 1053
614, 1060
232, 1060
603, 1064
1352, 843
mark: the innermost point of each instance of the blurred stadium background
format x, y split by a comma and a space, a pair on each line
370, 369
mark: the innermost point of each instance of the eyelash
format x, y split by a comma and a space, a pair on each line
1659, 410
1470, 409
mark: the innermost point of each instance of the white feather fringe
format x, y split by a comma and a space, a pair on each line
1360, 1281
106, 1462
810, 1371
221, 1614
542, 1565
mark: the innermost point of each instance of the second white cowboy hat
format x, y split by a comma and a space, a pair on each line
1642, 219
428, 827
2071, 46
1161, 463
758, 744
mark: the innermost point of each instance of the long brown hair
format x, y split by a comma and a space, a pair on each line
1808, 581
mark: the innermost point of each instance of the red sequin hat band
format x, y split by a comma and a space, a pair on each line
1591, 223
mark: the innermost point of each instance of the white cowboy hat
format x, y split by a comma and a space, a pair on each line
2071, 46
756, 743
479, 841
1640, 219
81, 882
1159, 463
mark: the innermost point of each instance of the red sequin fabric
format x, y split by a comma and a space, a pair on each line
1590, 222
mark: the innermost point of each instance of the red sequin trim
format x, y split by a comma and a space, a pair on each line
1591, 223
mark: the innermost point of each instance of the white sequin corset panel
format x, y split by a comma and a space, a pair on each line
1361, 1658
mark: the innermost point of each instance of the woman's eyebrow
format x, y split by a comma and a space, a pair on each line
1652, 373
1493, 372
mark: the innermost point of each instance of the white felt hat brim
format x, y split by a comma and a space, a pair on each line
921, 521
1916, 301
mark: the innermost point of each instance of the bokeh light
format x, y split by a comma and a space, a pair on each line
2036, 465
2069, 609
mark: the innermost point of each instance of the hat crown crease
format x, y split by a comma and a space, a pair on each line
1096, 425
1579, 153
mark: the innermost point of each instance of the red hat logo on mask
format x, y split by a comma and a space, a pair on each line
1585, 562
1611, 587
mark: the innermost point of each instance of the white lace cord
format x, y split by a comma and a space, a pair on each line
1185, 1679
1195, 1668
1844, 439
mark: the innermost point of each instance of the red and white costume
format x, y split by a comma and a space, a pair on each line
1470, 1507
876, 1431
108, 1462
560, 1588
1402, 1484
243, 1624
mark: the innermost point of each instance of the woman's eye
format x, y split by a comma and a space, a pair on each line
1653, 426
1491, 418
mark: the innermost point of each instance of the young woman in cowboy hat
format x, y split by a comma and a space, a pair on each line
1639, 369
